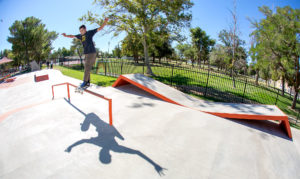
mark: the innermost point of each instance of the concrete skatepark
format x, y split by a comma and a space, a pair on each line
150, 138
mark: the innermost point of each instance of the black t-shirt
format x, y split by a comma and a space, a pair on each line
87, 41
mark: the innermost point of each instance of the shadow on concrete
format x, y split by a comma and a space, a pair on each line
242, 108
131, 89
106, 140
144, 80
270, 127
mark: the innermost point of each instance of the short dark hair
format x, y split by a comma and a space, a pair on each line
82, 26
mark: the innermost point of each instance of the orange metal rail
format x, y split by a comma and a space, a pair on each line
90, 92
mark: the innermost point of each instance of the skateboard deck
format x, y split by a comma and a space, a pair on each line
80, 90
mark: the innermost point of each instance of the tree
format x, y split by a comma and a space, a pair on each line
278, 35
265, 73
160, 44
219, 57
187, 51
117, 52
4, 53
132, 46
202, 43
180, 50
233, 38
54, 54
142, 17
240, 64
59, 53
77, 48
230, 39
31, 40
254, 53
65, 52
163, 50
190, 53
225, 38
99, 53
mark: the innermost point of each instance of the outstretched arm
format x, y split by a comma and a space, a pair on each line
102, 26
122, 149
77, 143
69, 36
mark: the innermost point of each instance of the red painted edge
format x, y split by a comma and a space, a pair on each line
284, 119
9, 80
122, 80
41, 78
247, 116
7, 76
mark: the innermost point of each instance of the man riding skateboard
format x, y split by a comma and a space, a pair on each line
86, 38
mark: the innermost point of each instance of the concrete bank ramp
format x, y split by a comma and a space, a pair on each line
226, 110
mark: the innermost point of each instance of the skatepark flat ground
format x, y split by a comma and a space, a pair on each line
45, 138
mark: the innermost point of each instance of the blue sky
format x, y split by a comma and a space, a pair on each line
62, 16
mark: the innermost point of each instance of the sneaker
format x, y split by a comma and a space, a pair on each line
88, 84
82, 85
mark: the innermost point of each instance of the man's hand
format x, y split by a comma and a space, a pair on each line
70, 36
104, 23
68, 149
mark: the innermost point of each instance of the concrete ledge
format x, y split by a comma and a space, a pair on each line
41, 78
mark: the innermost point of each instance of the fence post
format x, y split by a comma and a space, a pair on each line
206, 83
244, 90
277, 96
144, 67
105, 67
297, 117
172, 75
121, 67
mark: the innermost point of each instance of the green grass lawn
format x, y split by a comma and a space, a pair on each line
99, 80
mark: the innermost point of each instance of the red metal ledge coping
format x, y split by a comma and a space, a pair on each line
9, 80
7, 76
41, 78
122, 80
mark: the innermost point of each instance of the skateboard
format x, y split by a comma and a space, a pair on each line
80, 90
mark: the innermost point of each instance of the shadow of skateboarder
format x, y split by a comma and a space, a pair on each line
106, 140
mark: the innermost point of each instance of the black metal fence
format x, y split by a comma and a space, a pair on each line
202, 83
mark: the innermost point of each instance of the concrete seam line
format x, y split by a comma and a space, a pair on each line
5, 115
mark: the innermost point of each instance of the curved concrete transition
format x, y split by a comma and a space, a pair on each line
150, 138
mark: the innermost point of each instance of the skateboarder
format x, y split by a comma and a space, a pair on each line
86, 38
